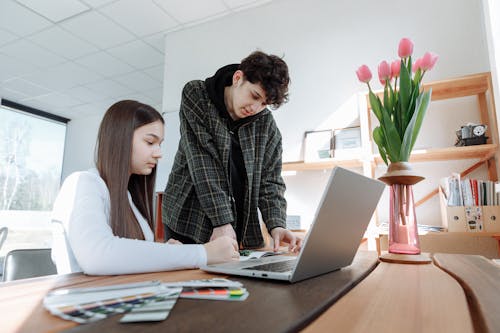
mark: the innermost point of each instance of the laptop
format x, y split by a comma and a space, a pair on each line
342, 216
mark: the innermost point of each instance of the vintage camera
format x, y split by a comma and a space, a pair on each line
471, 134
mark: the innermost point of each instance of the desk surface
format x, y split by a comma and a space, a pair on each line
391, 298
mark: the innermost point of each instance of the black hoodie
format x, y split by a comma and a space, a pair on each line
238, 177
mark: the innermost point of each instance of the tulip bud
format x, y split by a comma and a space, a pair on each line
428, 61
364, 74
384, 71
417, 65
405, 48
395, 68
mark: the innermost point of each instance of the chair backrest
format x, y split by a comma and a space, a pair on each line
27, 263
3, 235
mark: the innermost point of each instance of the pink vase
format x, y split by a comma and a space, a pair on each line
403, 231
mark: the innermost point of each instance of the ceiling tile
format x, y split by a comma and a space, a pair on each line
155, 72
97, 29
55, 10
138, 97
20, 20
30, 52
138, 54
6, 37
84, 94
186, 11
56, 100
11, 95
10, 67
97, 3
80, 111
137, 81
63, 43
63, 77
25, 87
109, 88
105, 64
140, 17
243, 4
157, 41
156, 95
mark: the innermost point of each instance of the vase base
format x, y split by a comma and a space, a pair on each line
403, 248
417, 259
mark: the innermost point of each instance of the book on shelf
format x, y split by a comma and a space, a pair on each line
470, 192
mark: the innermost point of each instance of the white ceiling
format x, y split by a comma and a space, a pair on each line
75, 58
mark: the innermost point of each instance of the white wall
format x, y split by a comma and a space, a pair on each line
81, 136
323, 43
492, 23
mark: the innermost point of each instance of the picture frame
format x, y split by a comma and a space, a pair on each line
347, 138
347, 141
318, 145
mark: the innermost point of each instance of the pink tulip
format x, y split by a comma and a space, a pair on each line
395, 67
384, 72
417, 65
428, 61
364, 74
405, 48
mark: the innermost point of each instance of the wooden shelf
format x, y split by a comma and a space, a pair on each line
323, 165
481, 152
452, 88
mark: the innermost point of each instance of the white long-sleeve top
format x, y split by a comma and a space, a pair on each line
83, 239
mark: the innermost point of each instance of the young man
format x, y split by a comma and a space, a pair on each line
228, 163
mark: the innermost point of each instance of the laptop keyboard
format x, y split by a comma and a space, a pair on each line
280, 266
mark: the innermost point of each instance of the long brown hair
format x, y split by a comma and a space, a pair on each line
113, 156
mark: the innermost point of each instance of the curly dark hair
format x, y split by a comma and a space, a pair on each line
271, 72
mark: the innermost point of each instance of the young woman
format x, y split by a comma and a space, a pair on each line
103, 217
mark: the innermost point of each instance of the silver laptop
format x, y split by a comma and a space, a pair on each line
343, 214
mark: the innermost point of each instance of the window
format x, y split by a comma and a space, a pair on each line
31, 156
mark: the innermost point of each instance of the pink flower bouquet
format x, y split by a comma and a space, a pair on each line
404, 103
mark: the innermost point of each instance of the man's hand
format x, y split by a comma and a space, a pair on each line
173, 241
280, 234
221, 250
223, 230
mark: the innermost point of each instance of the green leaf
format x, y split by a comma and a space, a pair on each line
393, 141
404, 90
378, 137
414, 125
376, 105
387, 103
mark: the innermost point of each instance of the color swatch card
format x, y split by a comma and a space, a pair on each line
84, 305
211, 289
218, 294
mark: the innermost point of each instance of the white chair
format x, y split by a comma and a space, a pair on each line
27, 263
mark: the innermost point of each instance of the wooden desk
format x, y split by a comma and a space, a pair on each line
389, 298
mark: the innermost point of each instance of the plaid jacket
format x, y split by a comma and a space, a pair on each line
198, 193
